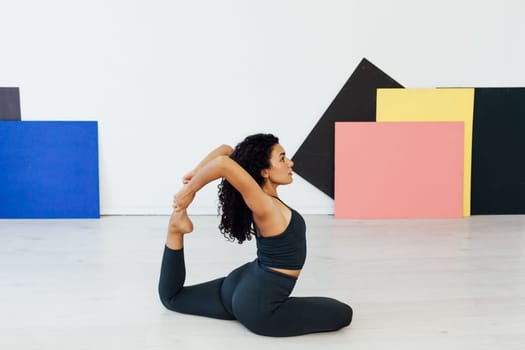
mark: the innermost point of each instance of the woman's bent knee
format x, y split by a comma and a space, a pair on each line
165, 300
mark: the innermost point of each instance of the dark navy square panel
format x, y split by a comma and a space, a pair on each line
9, 103
49, 169
498, 148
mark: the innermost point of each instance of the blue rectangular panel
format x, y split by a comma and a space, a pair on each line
49, 169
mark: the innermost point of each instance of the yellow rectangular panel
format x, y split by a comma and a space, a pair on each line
432, 105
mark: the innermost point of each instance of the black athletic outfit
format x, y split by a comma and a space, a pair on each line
254, 294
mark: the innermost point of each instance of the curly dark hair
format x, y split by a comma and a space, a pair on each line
253, 154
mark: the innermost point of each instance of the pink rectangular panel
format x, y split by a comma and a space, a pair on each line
398, 169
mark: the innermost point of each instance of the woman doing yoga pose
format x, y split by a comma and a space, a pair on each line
257, 294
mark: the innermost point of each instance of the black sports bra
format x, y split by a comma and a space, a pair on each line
286, 250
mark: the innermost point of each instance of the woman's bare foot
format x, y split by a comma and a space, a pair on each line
180, 223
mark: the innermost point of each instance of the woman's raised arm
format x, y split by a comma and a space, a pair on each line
224, 166
222, 150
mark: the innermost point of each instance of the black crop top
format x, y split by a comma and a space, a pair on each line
286, 250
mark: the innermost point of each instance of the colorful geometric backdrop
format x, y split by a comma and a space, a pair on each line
379, 150
350, 166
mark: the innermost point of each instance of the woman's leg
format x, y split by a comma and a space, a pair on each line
203, 299
261, 302
297, 316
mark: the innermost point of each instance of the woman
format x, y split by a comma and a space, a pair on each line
257, 293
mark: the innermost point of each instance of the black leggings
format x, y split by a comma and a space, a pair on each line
253, 294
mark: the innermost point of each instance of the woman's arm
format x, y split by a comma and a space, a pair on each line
224, 166
222, 150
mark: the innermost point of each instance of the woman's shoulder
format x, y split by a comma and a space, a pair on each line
276, 220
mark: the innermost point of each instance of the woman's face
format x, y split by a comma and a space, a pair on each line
280, 170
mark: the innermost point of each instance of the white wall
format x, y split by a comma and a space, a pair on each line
170, 80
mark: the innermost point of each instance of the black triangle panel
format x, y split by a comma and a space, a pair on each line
314, 160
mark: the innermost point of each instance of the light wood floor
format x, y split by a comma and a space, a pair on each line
413, 284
